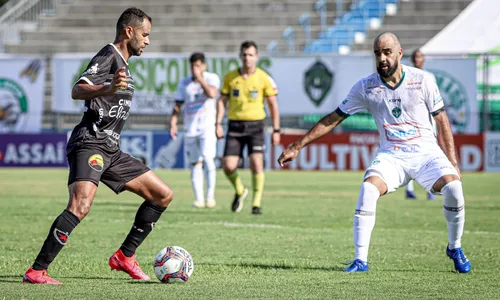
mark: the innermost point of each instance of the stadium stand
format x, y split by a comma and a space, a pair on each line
355, 29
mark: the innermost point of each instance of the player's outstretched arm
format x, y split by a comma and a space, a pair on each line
324, 126
446, 138
82, 90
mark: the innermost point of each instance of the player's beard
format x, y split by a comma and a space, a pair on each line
134, 47
390, 70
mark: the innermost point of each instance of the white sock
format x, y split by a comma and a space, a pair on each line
454, 212
210, 175
197, 182
410, 187
364, 219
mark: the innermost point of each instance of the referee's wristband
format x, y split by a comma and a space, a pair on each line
276, 130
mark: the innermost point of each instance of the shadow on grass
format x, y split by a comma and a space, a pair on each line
15, 278
275, 266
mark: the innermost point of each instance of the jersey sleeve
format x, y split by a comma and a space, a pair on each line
97, 70
354, 102
214, 81
432, 96
179, 93
225, 87
270, 89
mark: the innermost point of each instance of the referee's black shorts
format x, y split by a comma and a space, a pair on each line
244, 133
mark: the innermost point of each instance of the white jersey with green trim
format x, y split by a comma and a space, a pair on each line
403, 113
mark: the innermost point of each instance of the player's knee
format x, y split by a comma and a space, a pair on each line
81, 198
453, 196
209, 163
165, 197
228, 169
439, 185
378, 183
80, 205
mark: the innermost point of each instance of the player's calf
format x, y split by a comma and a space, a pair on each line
454, 212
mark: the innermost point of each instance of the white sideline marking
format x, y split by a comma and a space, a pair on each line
274, 226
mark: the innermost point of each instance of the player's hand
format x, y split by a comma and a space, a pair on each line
197, 73
219, 131
289, 154
173, 131
276, 138
119, 80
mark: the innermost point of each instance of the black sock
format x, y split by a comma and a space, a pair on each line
145, 219
57, 238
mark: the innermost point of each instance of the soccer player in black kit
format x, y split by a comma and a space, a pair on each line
94, 153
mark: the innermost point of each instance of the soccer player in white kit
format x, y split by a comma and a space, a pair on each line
402, 101
197, 94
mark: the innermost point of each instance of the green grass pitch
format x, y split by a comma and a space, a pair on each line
295, 250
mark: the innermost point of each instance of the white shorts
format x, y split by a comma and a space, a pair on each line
396, 171
199, 147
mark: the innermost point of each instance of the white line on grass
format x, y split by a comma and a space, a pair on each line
274, 226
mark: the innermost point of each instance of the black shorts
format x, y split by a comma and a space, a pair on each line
94, 164
244, 133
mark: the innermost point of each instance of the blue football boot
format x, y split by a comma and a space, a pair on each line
462, 264
357, 265
411, 195
430, 196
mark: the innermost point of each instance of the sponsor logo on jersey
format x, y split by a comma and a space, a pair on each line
318, 81
96, 162
402, 132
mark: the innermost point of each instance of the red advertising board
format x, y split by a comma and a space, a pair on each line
355, 151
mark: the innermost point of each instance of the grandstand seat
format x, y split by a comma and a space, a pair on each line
372, 8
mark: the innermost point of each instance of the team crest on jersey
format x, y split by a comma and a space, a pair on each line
318, 81
235, 93
93, 69
96, 162
396, 112
254, 94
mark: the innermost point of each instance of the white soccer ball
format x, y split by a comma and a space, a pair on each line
173, 264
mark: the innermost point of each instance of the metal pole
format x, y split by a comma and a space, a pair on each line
486, 91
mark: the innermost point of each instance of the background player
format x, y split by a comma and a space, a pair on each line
400, 98
197, 93
418, 60
244, 90
94, 153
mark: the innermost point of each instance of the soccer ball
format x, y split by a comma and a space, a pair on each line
173, 264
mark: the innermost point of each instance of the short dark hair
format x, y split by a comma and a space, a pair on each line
248, 44
196, 56
414, 54
131, 16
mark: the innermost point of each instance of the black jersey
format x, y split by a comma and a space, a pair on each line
105, 116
